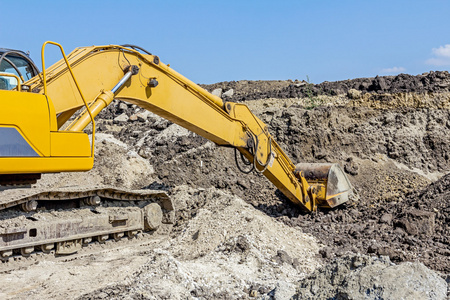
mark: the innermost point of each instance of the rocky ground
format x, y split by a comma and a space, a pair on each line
431, 82
236, 236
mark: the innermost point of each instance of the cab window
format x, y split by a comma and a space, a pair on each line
7, 82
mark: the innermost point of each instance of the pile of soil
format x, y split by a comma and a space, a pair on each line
438, 81
237, 236
391, 137
414, 229
363, 277
226, 250
387, 154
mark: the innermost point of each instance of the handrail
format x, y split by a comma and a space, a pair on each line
19, 87
76, 83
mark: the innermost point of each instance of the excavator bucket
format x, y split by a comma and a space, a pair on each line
332, 185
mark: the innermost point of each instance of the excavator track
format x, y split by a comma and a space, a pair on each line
63, 221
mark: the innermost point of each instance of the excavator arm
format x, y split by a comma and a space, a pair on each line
79, 86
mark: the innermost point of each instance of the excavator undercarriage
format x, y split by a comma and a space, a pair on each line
41, 131
64, 220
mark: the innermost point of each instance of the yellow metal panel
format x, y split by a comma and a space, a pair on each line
52, 116
70, 144
44, 164
28, 112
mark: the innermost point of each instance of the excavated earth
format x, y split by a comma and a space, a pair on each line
236, 236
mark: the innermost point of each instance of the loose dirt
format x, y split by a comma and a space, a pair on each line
236, 236
431, 82
388, 152
363, 277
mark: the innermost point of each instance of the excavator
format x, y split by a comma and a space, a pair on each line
43, 121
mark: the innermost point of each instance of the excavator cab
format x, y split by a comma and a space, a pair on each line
30, 142
15, 64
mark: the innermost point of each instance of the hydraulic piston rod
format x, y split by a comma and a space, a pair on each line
102, 101
133, 70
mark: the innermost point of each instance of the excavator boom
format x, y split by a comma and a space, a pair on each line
90, 78
41, 131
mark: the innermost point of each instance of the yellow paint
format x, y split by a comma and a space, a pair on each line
28, 112
97, 70
74, 144
19, 165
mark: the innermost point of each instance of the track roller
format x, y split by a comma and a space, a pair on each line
131, 234
87, 241
93, 200
47, 248
4, 255
29, 206
68, 247
102, 238
26, 251
118, 235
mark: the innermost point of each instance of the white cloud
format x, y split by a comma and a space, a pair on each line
441, 56
393, 70
442, 51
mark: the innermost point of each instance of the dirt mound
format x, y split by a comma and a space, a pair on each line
438, 81
115, 165
387, 154
226, 250
363, 277
411, 229
391, 146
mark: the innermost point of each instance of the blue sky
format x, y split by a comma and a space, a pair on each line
212, 41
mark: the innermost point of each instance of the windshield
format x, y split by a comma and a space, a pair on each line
23, 66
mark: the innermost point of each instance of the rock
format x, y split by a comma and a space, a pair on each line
379, 84
354, 94
284, 257
102, 295
404, 281
282, 291
217, 92
424, 221
326, 252
372, 248
229, 93
351, 167
242, 183
123, 106
143, 116
386, 218
406, 225
364, 277
242, 243
121, 118
295, 263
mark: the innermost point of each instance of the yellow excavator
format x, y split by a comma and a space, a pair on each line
42, 120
